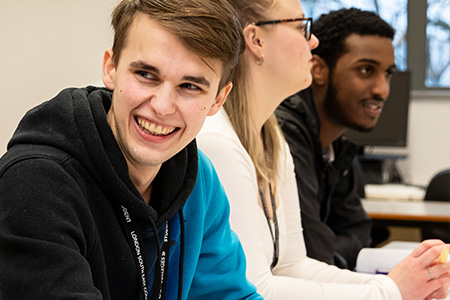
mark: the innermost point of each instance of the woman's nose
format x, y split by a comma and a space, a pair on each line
313, 42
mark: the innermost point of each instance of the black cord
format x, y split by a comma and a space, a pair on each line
180, 271
275, 237
157, 288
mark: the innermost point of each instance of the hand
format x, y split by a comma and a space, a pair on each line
420, 276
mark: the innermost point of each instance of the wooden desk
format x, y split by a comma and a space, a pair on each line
408, 211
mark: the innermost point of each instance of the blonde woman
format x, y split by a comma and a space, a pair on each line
254, 164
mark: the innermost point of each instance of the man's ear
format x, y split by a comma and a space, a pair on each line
108, 69
253, 41
319, 70
220, 99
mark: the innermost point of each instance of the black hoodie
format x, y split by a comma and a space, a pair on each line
64, 171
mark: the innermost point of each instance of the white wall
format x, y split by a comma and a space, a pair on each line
428, 137
428, 149
48, 45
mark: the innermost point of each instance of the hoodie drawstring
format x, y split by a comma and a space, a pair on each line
156, 291
181, 263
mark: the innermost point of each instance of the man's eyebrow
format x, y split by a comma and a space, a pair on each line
198, 79
368, 60
392, 67
144, 66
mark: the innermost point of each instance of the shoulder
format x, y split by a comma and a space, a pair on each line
220, 143
296, 117
207, 179
30, 157
205, 166
41, 172
44, 183
299, 122
218, 124
208, 200
295, 106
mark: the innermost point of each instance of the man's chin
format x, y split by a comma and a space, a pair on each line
361, 128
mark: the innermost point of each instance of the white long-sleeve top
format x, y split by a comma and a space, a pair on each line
295, 276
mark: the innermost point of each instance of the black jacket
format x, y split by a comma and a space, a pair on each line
335, 224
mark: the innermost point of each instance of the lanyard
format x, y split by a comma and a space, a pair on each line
135, 240
164, 267
275, 236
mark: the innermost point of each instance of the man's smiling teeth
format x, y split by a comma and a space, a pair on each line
153, 129
373, 106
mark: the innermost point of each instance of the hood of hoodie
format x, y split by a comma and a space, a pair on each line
75, 122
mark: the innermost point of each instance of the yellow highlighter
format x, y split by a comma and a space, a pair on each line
444, 255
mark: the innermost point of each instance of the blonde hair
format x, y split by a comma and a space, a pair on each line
237, 106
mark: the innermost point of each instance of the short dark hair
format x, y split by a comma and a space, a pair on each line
333, 28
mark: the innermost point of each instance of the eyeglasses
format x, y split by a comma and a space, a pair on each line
306, 28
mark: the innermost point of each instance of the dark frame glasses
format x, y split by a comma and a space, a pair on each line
306, 22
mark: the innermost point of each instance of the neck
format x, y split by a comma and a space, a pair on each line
143, 179
262, 96
329, 131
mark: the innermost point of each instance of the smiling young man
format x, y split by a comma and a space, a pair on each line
103, 194
351, 71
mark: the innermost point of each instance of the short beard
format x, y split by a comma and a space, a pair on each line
335, 111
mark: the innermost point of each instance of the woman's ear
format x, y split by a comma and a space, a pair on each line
108, 69
319, 70
254, 43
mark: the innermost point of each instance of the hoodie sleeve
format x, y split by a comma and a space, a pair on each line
220, 268
42, 244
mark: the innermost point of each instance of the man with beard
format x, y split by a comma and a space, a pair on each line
351, 72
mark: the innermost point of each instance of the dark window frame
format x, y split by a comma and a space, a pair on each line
416, 49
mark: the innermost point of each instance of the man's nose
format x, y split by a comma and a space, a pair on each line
381, 86
163, 101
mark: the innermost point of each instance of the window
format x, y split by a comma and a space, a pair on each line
438, 44
423, 47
